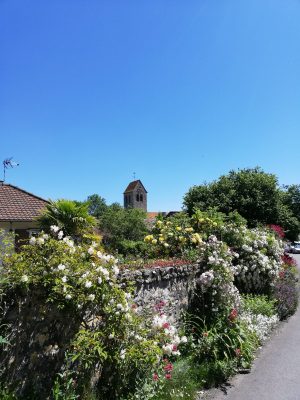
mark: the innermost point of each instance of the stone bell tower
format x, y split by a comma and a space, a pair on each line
135, 195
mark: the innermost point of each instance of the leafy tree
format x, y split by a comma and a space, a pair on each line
254, 194
118, 224
71, 216
251, 192
96, 205
292, 199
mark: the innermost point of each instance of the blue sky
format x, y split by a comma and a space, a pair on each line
178, 91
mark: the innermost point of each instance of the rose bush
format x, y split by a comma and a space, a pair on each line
115, 345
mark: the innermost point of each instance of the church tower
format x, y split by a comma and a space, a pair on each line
135, 196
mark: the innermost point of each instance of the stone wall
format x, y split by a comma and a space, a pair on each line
172, 285
39, 332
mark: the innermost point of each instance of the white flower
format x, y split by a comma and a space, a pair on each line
115, 270
61, 267
183, 339
88, 284
120, 307
122, 354
68, 296
91, 297
99, 280
32, 240
24, 278
128, 317
54, 228
40, 240
64, 279
91, 250
159, 321
60, 235
111, 336
45, 236
167, 349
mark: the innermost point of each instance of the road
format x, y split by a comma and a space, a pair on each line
275, 374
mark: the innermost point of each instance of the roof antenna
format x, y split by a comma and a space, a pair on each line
134, 176
8, 163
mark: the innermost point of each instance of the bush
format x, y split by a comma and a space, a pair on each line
121, 226
114, 346
227, 338
286, 292
259, 304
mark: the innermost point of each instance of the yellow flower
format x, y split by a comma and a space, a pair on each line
148, 238
178, 228
159, 223
154, 241
161, 239
196, 238
189, 229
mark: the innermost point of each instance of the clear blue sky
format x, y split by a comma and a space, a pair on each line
178, 91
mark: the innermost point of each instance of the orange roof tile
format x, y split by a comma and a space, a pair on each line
18, 205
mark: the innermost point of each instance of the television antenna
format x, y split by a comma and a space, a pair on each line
8, 163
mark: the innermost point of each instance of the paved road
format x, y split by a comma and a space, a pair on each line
275, 374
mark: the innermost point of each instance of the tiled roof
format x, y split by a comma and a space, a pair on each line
132, 185
152, 214
18, 205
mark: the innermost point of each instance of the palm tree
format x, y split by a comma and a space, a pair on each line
71, 216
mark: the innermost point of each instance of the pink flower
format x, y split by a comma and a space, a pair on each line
168, 367
233, 314
281, 274
168, 376
238, 352
155, 377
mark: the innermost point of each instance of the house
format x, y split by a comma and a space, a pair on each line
19, 210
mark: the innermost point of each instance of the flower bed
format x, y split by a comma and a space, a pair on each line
72, 313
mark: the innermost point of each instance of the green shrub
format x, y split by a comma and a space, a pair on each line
225, 339
183, 384
259, 304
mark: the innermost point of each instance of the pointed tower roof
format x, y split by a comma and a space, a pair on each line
132, 185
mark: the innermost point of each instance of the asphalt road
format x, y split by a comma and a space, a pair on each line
275, 374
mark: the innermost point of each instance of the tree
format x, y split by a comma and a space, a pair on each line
118, 224
254, 194
251, 192
292, 199
71, 216
96, 205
